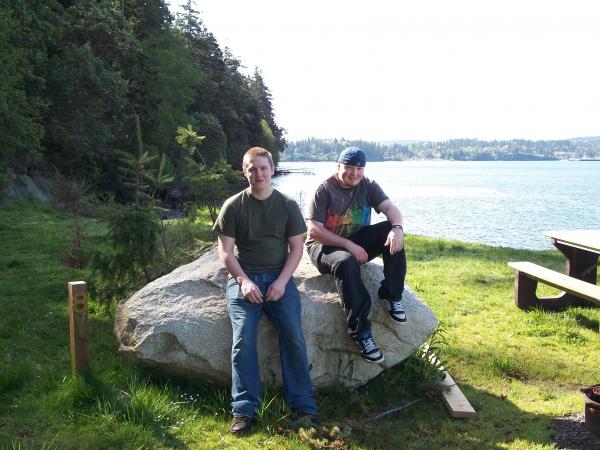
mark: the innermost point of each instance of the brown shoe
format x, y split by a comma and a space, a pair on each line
240, 425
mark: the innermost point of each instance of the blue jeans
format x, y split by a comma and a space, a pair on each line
245, 319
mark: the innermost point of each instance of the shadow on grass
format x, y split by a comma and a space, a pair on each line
427, 424
497, 424
584, 321
114, 396
141, 404
578, 316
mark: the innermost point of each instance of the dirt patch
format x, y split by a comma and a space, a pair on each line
571, 433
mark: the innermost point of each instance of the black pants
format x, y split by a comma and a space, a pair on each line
345, 268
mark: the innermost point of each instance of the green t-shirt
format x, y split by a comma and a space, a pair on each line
261, 229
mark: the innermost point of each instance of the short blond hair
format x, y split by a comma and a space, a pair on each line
256, 151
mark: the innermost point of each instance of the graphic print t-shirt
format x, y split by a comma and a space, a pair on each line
344, 211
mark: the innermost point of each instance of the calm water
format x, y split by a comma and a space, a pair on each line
502, 203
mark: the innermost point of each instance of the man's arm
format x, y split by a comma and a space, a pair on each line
228, 259
318, 232
395, 238
277, 288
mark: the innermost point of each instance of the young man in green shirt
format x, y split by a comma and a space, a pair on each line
267, 228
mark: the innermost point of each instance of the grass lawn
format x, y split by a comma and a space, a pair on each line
519, 369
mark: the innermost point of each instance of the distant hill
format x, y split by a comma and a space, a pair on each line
316, 149
586, 139
403, 142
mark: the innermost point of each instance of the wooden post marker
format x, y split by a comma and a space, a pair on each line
79, 327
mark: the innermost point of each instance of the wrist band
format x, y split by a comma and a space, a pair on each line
397, 225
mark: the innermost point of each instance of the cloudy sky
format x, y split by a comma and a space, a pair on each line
428, 69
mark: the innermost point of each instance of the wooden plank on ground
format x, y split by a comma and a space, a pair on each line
455, 400
558, 280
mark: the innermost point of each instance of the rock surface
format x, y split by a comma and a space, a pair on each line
23, 186
179, 325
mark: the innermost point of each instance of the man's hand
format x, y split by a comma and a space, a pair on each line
275, 291
395, 240
358, 252
251, 291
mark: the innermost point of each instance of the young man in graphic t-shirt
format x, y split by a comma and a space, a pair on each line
341, 238
267, 228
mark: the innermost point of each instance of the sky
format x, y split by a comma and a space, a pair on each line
420, 70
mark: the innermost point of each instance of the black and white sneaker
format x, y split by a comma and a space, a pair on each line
396, 312
369, 349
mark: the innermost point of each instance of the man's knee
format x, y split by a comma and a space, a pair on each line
242, 349
244, 335
293, 339
398, 258
346, 266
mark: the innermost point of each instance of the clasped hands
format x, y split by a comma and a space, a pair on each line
253, 294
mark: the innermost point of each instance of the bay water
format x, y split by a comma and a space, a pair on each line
500, 203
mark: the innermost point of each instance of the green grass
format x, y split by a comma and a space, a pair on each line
519, 369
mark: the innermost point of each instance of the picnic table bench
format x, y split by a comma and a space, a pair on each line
581, 249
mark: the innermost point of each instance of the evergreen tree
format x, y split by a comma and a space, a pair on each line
87, 92
271, 131
147, 16
25, 31
74, 75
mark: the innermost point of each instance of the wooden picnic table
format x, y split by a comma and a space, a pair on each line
581, 249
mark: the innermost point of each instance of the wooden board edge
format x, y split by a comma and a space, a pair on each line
455, 400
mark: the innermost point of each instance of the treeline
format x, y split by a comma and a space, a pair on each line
313, 149
84, 81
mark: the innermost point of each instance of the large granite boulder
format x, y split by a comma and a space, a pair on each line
179, 325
